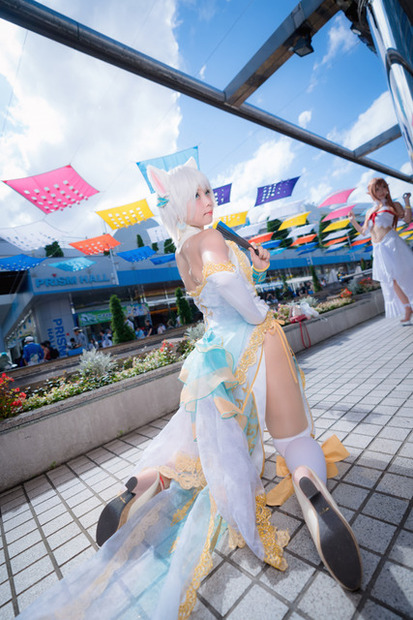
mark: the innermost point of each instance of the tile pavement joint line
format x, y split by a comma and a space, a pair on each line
208, 605
384, 556
9, 569
43, 536
383, 604
73, 516
101, 465
90, 487
44, 540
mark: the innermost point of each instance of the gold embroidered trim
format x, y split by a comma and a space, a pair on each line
182, 512
209, 269
272, 540
243, 262
250, 354
235, 539
187, 471
202, 569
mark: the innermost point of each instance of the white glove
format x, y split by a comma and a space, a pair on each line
240, 295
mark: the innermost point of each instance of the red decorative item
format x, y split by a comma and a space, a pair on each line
96, 245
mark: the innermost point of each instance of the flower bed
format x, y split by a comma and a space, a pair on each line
40, 439
97, 369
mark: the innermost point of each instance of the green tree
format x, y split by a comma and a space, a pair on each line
184, 309
363, 266
281, 235
316, 282
169, 246
54, 250
139, 241
120, 330
155, 247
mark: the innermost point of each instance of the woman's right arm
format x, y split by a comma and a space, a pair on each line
361, 229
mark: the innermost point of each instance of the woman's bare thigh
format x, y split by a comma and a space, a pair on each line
285, 412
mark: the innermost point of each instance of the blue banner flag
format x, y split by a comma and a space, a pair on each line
222, 194
161, 260
167, 162
134, 256
20, 262
74, 264
283, 189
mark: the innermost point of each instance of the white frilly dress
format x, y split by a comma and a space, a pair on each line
392, 260
212, 450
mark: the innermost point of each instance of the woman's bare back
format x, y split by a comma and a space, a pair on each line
207, 246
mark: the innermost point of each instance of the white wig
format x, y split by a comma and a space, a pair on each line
176, 188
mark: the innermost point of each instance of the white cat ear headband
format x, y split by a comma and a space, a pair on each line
159, 179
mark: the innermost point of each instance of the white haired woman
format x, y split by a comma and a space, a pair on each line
201, 476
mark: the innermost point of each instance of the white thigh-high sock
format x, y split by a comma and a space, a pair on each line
302, 449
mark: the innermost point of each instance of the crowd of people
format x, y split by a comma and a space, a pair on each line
34, 353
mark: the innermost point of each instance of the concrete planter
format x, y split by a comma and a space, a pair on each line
35, 441
333, 322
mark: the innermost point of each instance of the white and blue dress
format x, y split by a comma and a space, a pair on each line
212, 449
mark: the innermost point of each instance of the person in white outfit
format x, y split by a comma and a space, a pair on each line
201, 476
392, 257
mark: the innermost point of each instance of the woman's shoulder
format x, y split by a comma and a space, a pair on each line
211, 236
212, 246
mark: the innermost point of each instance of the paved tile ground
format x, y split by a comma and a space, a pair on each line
360, 386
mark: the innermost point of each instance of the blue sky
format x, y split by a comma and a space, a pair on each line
58, 106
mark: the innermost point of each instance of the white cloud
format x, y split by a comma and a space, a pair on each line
397, 187
70, 108
340, 40
379, 117
318, 193
305, 118
270, 163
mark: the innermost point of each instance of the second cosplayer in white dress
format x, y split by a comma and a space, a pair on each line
392, 260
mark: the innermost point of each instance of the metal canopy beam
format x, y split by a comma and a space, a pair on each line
44, 21
378, 141
311, 14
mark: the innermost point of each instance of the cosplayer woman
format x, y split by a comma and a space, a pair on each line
201, 475
392, 258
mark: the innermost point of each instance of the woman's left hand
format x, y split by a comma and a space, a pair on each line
262, 260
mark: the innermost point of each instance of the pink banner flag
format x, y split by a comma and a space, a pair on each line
54, 190
342, 212
337, 199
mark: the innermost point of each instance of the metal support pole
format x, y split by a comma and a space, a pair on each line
48, 23
392, 31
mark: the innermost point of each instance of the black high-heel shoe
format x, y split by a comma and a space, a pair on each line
332, 535
118, 511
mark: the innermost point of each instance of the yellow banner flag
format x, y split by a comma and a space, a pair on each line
234, 219
337, 225
133, 213
295, 220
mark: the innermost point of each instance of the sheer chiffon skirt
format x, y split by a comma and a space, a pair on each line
212, 450
393, 260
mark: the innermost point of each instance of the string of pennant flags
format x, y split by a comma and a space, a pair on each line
64, 187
